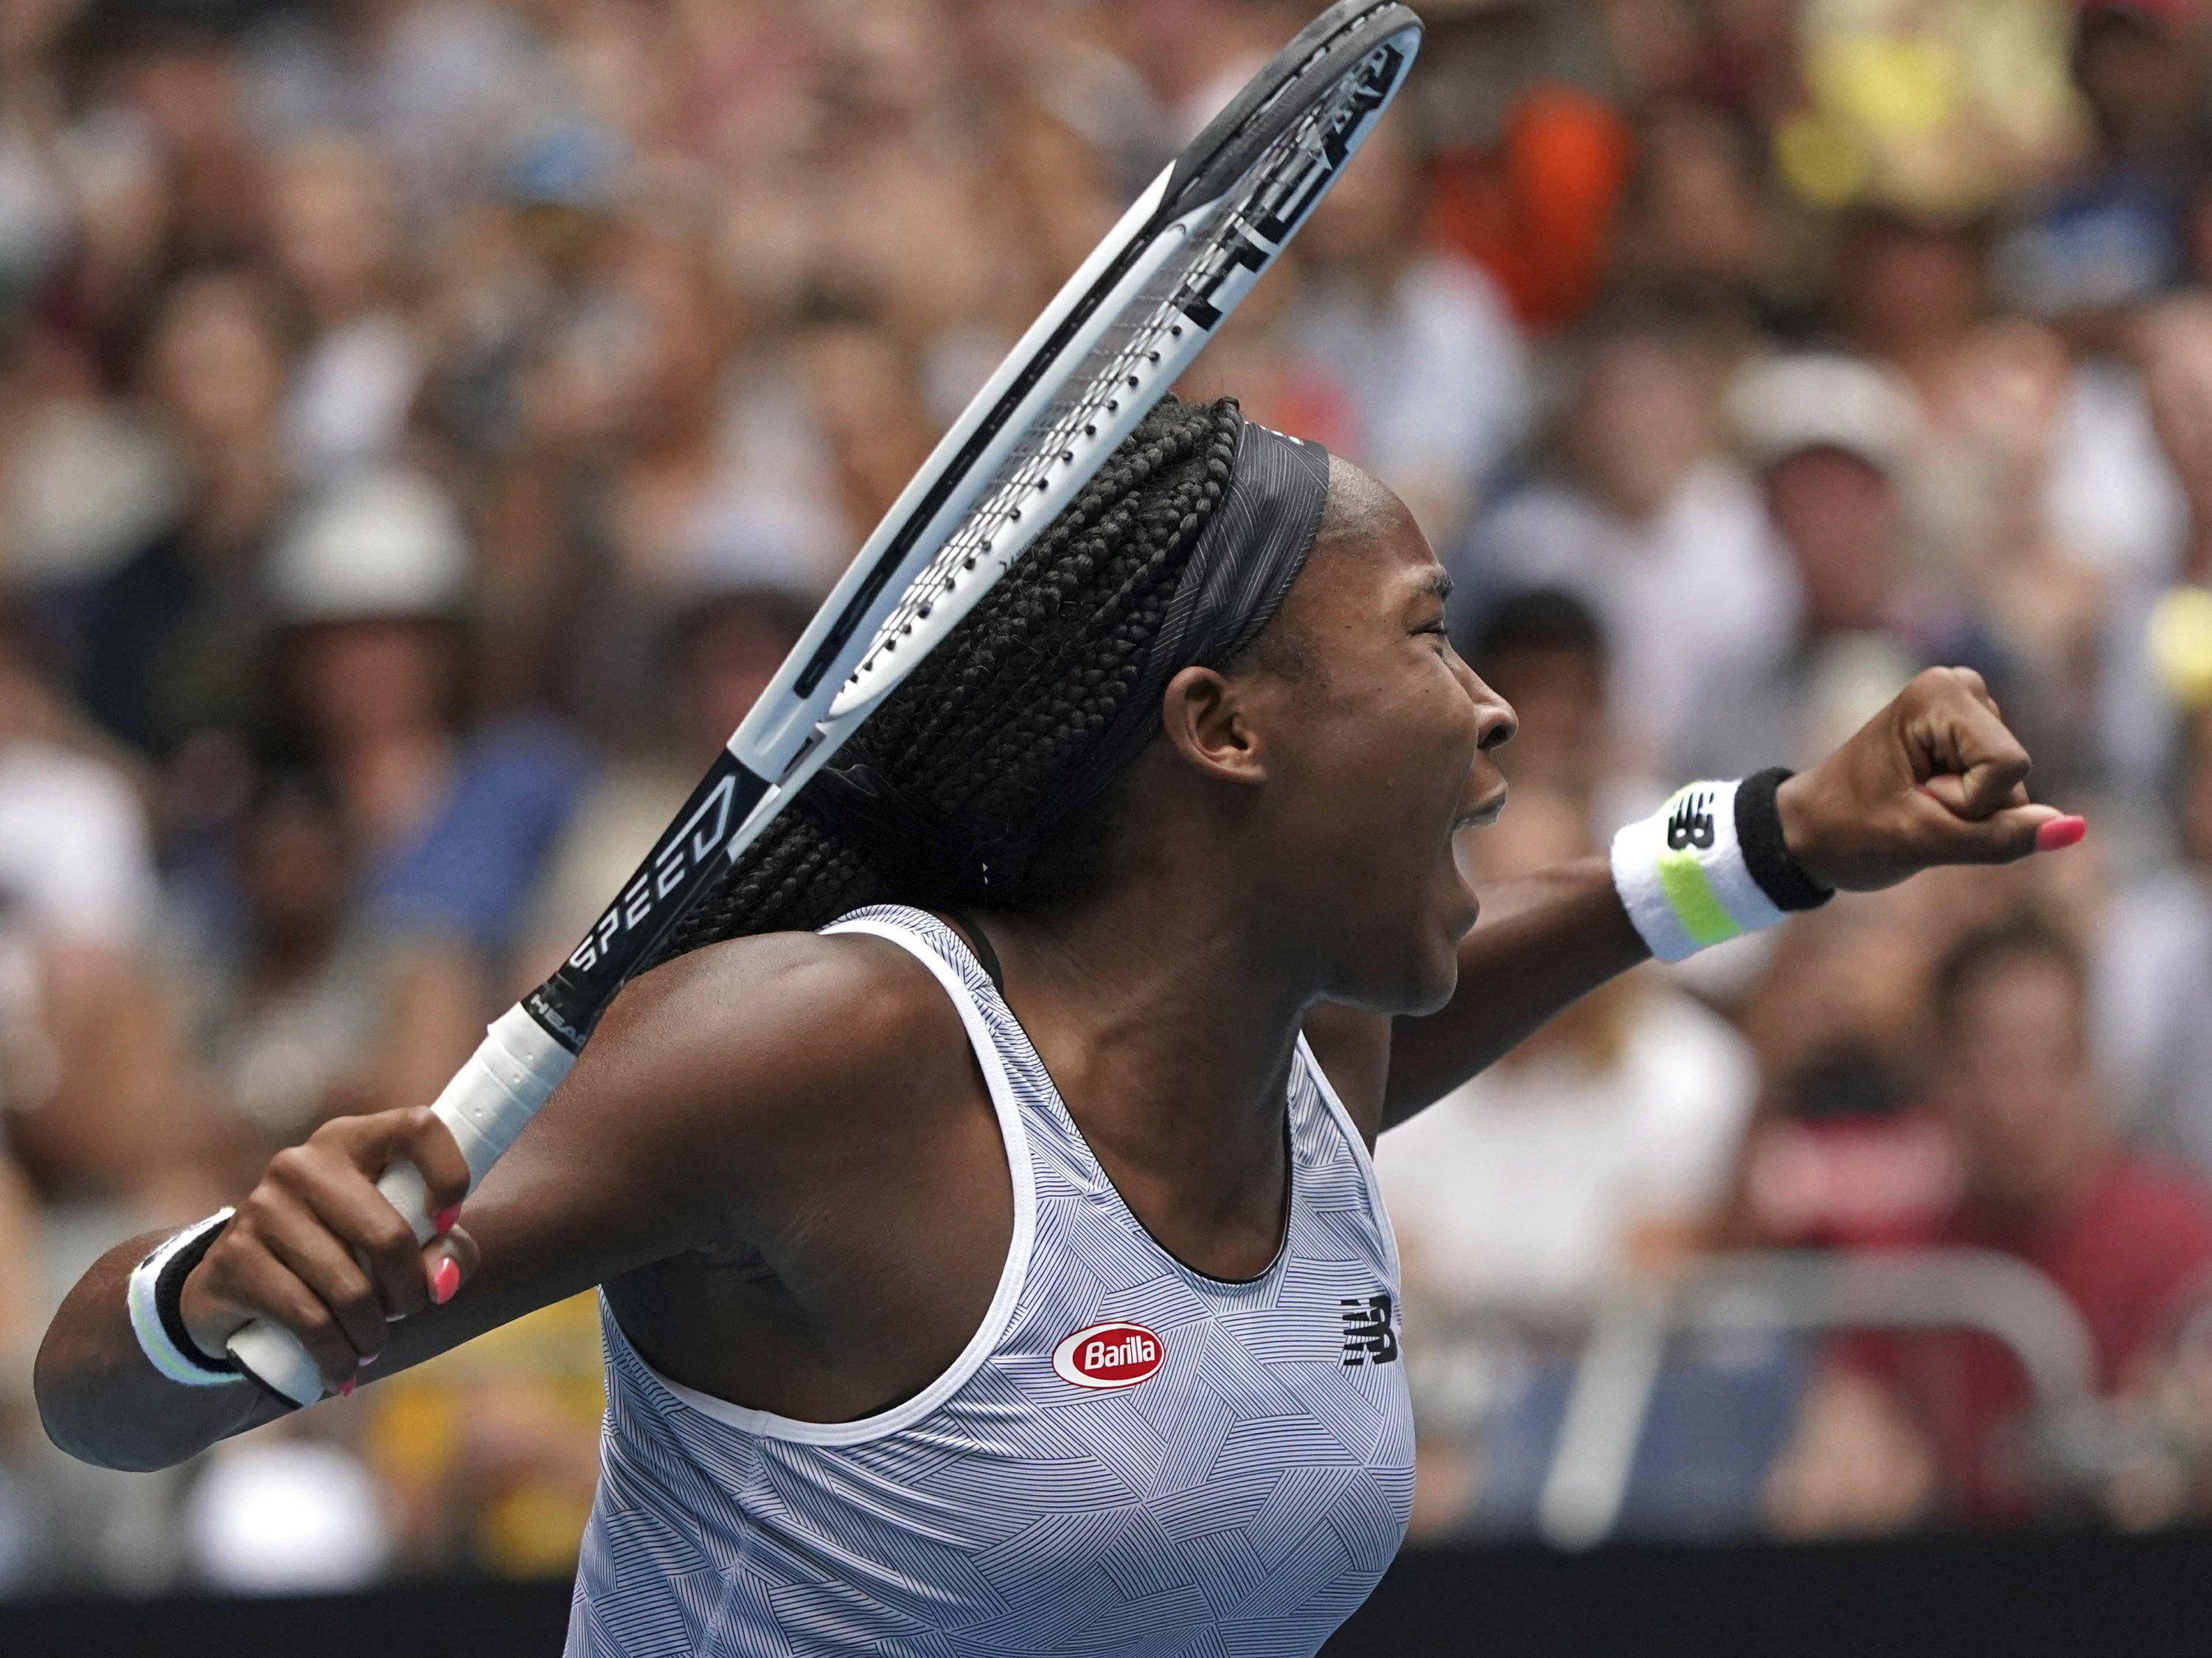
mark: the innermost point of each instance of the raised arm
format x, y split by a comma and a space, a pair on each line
1935, 778
682, 1126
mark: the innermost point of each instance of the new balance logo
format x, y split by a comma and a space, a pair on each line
1371, 1336
1692, 824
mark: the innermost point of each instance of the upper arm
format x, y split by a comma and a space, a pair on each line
712, 1108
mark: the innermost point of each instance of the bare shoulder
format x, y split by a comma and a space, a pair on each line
1353, 1050
782, 1029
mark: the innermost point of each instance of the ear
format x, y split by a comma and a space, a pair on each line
1208, 721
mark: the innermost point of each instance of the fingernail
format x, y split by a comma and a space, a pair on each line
442, 1221
345, 1388
2060, 833
445, 1279
368, 1361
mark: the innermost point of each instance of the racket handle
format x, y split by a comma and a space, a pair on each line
489, 1101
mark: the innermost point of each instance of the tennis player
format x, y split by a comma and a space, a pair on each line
980, 1199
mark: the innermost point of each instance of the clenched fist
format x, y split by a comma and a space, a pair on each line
1935, 778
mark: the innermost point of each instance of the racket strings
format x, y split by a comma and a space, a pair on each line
1025, 480
1084, 537
1123, 621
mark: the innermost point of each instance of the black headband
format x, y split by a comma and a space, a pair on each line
1250, 551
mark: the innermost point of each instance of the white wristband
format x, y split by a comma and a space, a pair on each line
1681, 875
193, 1369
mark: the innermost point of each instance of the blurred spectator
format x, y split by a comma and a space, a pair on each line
2154, 979
2113, 234
335, 231
1652, 527
439, 86
1423, 343
179, 103
1544, 651
720, 652
1698, 228
2127, 1239
2157, 665
316, 1010
368, 587
1193, 55
1992, 394
99, 1105
164, 644
1829, 435
665, 451
1933, 106
1910, 289
1537, 211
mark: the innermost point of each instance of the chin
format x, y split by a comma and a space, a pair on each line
1427, 983
1431, 981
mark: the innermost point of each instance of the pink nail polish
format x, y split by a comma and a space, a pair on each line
445, 1279
2060, 833
442, 1221
345, 1388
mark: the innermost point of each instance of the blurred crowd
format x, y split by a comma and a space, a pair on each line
425, 424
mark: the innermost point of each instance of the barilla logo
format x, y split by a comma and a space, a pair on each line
1107, 1355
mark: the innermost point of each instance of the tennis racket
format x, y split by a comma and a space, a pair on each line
1112, 341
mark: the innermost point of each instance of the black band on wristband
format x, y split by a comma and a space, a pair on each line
168, 1292
1766, 853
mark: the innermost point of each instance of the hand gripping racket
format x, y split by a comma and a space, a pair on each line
1111, 342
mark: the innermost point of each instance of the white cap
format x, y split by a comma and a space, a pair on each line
377, 544
1783, 406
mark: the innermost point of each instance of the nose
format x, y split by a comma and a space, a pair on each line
1495, 720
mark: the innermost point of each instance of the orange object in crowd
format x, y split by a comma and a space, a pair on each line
1538, 211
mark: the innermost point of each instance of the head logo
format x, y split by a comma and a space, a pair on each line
1108, 1356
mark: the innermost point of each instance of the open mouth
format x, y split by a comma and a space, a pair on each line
1482, 814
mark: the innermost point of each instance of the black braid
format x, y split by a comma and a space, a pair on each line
1002, 714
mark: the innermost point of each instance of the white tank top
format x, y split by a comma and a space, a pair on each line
1129, 1456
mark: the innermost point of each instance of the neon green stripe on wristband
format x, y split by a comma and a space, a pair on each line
1693, 901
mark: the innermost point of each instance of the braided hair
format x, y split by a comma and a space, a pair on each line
1000, 717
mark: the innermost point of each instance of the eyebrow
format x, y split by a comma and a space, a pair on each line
1437, 582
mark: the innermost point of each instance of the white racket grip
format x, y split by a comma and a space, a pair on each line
492, 1099
489, 1101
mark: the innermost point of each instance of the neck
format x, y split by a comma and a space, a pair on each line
1167, 1024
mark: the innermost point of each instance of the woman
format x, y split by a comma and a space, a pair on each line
1003, 1265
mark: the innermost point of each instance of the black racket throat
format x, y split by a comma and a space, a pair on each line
688, 858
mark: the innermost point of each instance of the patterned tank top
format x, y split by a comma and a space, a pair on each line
1129, 1456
